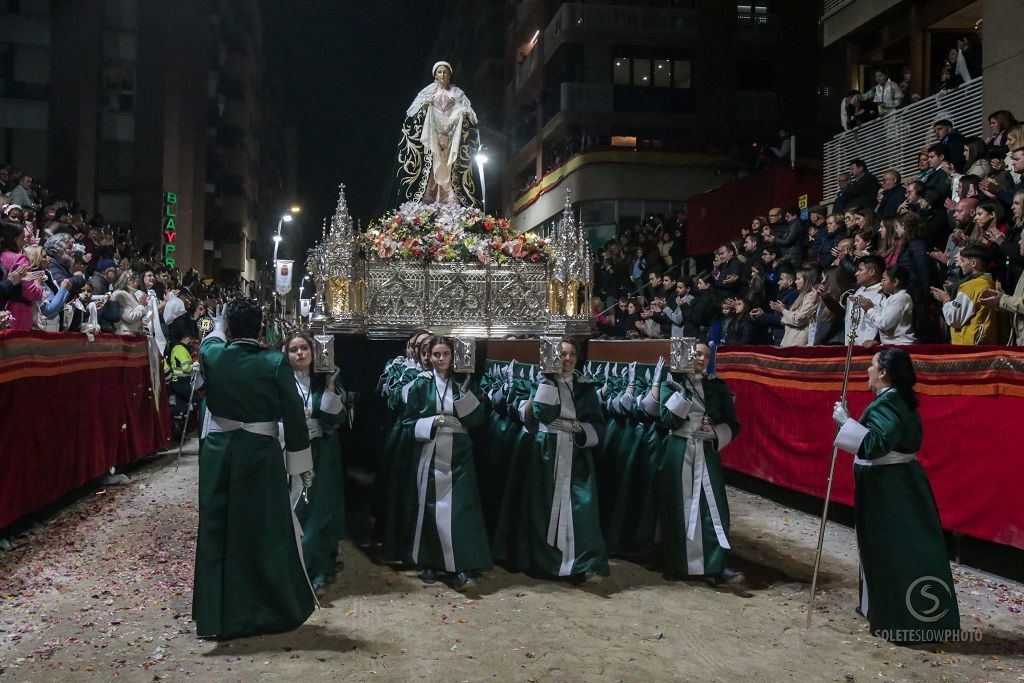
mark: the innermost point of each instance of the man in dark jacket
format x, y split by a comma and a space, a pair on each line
828, 239
791, 238
891, 195
863, 189
772, 320
954, 141
727, 271
843, 182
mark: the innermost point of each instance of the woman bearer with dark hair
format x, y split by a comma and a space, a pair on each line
906, 587
321, 512
449, 533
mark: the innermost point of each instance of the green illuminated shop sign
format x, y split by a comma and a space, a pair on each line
170, 228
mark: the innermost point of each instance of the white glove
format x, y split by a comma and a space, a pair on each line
658, 369
306, 478
675, 386
464, 384
220, 324
840, 414
332, 380
566, 425
631, 374
701, 435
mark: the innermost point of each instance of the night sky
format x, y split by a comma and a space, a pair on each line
350, 69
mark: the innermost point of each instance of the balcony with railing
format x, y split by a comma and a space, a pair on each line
578, 20
832, 5
587, 97
894, 141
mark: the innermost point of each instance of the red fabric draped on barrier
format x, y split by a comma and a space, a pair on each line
970, 397
71, 409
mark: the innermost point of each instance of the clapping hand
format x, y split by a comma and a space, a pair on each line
990, 297
941, 295
756, 313
18, 274
994, 235
777, 306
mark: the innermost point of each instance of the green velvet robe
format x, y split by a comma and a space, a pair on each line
688, 486
449, 532
562, 531
323, 517
510, 545
907, 588
629, 519
397, 477
249, 576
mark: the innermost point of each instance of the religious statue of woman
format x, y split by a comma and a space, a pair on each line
439, 141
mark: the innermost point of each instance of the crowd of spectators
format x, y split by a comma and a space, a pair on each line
936, 258
63, 269
961, 64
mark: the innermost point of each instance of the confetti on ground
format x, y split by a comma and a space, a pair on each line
103, 587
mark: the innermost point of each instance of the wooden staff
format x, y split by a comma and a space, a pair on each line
855, 315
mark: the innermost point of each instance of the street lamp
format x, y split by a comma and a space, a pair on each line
296, 209
481, 159
285, 218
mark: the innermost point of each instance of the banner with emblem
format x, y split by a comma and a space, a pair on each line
283, 276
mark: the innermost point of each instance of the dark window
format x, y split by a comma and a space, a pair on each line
756, 75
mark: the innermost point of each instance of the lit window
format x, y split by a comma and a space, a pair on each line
662, 73
752, 12
641, 72
623, 141
620, 70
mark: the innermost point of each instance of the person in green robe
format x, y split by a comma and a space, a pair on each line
688, 479
564, 531
630, 517
450, 534
906, 586
249, 575
510, 546
389, 429
400, 507
321, 512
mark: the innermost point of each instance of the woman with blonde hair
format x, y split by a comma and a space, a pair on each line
798, 317
47, 314
133, 308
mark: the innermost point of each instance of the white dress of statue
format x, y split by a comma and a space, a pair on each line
447, 110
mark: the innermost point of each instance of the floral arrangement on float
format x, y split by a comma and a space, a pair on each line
445, 233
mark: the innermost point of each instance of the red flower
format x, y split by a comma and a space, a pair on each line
534, 257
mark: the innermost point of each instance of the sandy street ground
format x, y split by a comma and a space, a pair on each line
102, 590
